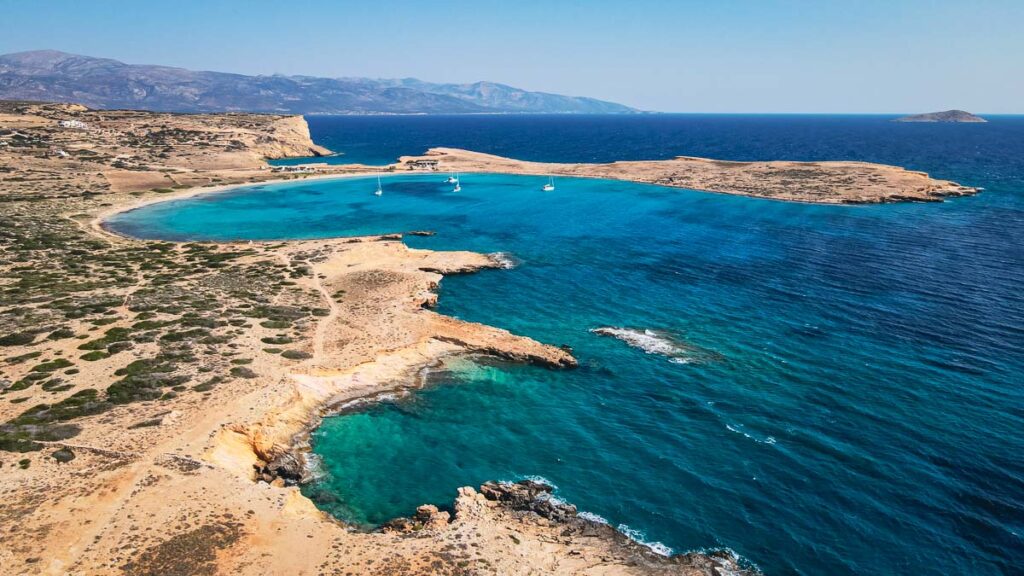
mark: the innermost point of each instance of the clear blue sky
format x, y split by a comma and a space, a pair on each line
685, 56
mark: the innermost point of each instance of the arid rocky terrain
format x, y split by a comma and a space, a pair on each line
154, 396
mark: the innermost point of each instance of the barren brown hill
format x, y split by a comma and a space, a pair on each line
48, 149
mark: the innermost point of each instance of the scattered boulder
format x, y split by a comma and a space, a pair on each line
63, 456
284, 470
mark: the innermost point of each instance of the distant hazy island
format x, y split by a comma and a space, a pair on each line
945, 116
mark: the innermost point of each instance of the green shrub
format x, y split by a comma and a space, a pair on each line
119, 347
52, 365
144, 379
243, 372
23, 357
60, 334
109, 337
82, 403
276, 324
17, 339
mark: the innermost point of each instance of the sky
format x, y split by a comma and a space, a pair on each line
783, 56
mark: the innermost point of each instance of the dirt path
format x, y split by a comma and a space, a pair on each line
321, 329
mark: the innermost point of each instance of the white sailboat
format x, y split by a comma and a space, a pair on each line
380, 191
451, 178
458, 187
550, 186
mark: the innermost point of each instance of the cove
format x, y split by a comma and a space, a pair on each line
821, 389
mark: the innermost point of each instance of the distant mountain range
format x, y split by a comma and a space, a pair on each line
53, 76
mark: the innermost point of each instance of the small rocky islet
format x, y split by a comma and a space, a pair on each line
945, 117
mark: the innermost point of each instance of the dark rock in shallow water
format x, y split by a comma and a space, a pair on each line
421, 233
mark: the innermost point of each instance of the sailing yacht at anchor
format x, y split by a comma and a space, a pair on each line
550, 186
380, 191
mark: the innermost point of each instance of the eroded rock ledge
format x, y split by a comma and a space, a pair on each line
530, 507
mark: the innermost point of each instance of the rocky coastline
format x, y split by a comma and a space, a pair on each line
158, 396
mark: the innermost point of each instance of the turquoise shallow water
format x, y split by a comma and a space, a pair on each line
838, 389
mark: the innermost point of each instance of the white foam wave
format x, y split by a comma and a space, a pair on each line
650, 341
314, 469
738, 429
592, 517
633, 534
637, 535
504, 260
722, 568
541, 480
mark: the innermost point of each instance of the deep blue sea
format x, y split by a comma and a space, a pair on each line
824, 390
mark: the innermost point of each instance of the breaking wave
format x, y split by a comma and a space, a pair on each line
504, 260
637, 535
651, 342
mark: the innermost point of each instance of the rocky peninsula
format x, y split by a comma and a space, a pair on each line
155, 396
813, 182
